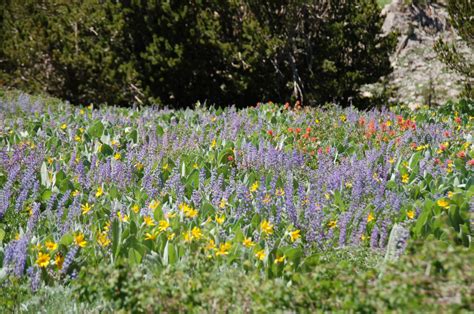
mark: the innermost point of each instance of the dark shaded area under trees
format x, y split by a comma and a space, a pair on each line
178, 52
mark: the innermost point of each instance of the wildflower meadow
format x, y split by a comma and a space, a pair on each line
275, 207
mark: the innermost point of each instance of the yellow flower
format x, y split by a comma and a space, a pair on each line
327, 196
103, 240
213, 144
99, 192
195, 166
117, 156
165, 167
191, 213
267, 199
266, 227
123, 218
170, 215
443, 203
154, 205
43, 260
86, 208
75, 193
342, 118
279, 192
248, 242
163, 225
139, 166
211, 245
295, 235
196, 233
332, 224
224, 249
59, 260
51, 246
405, 178
391, 160
280, 259
107, 226
148, 221
79, 240
188, 210
410, 214
188, 237
260, 255
450, 194
223, 203
77, 138
449, 169
254, 187
220, 220
136, 208
151, 236
370, 217
82, 111
171, 236
29, 210
63, 126
50, 160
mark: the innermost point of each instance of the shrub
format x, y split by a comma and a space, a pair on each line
460, 17
431, 277
234, 51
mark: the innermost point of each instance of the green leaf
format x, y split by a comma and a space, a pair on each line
96, 130
133, 136
294, 254
116, 234
255, 221
422, 221
134, 256
46, 195
106, 150
159, 130
66, 239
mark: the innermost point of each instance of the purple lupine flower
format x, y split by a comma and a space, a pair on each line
374, 237
15, 255
69, 259
61, 204
50, 202
384, 232
35, 211
289, 203
35, 279
343, 224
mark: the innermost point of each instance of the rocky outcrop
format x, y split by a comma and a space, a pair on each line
418, 76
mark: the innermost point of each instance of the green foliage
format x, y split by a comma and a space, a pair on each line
233, 51
431, 277
72, 50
